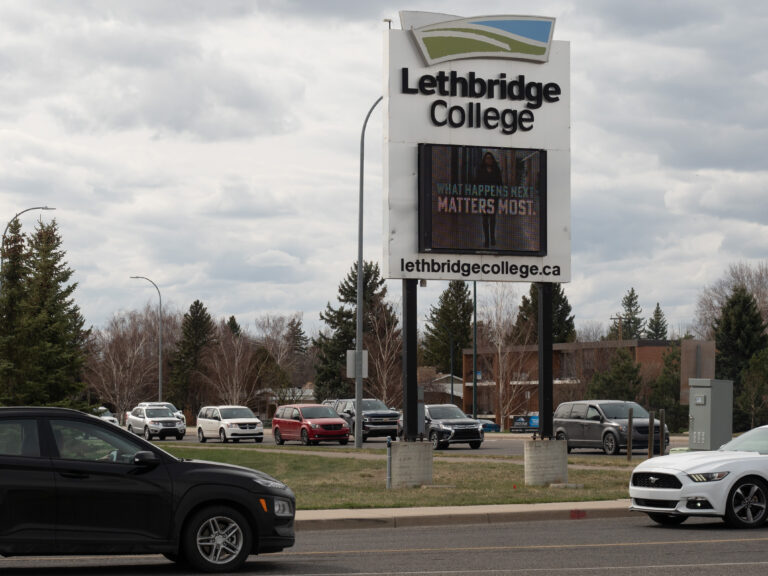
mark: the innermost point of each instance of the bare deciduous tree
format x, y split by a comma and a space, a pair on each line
384, 345
499, 316
122, 362
235, 367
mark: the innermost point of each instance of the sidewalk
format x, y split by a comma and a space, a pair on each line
399, 517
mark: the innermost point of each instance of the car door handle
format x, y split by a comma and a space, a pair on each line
75, 475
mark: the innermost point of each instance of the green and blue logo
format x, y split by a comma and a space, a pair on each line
512, 37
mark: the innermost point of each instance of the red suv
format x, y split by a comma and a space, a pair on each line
309, 424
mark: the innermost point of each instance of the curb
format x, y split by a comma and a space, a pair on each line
308, 520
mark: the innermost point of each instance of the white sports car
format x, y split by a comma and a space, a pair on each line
730, 483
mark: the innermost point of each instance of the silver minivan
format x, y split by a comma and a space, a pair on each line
603, 424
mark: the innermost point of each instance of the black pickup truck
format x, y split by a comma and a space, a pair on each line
378, 420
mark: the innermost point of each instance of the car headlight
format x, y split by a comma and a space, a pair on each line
314, 426
154, 423
622, 428
270, 483
231, 425
708, 476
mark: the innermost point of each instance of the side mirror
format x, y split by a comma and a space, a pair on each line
146, 458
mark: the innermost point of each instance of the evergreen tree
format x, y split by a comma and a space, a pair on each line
297, 338
53, 330
631, 324
13, 278
233, 326
198, 332
753, 397
332, 346
657, 325
620, 382
449, 323
739, 335
526, 329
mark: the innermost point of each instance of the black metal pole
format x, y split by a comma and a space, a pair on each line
546, 383
410, 365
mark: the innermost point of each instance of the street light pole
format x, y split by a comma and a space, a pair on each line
160, 339
359, 329
2, 244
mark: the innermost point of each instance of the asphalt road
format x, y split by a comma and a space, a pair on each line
627, 546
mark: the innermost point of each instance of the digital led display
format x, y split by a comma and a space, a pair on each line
482, 200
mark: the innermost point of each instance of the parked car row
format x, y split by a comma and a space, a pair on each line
228, 423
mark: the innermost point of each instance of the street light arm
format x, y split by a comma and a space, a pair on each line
160, 338
2, 242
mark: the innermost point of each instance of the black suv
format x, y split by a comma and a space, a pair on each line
378, 420
603, 424
74, 484
446, 424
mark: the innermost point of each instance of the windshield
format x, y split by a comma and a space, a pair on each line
756, 440
238, 412
620, 411
318, 412
445, 411
159, 413
374, 405
170, 406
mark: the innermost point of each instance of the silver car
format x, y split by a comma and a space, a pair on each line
155, 421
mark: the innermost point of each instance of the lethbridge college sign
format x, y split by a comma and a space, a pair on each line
477, 154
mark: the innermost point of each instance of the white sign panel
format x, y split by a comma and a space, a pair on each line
477, 160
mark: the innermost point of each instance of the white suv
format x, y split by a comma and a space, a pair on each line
176, 412
228, 423
151, 421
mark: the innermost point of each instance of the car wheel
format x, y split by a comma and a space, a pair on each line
236, 440
278, 437
147, 433
344, 442
258, 440
130, 429
179, 436
436, 445
217, 539
304, 437
610, 444
747, 501
562, 436
475, 445
201, 436
223, 436
667, 519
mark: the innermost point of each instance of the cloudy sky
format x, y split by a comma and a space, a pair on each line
213, 146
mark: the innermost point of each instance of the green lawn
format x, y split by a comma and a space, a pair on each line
322, 482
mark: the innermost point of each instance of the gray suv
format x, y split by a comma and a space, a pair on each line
603, 424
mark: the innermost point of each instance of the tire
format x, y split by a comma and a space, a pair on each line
611, 444
667, 519
236, 440
747, 503
475, 445
147, 434
304, 437
344, 442
130, 429
223, 436
201, 436
278, 437
217, 539
436, 444
258, 440
562, 436
179, 436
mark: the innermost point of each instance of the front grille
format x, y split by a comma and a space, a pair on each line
644, 430
649, 480
247, 426
331, 426
466, 434
169, 424
670, 504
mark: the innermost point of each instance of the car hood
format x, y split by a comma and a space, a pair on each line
242, 420
208, 471
695, 461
